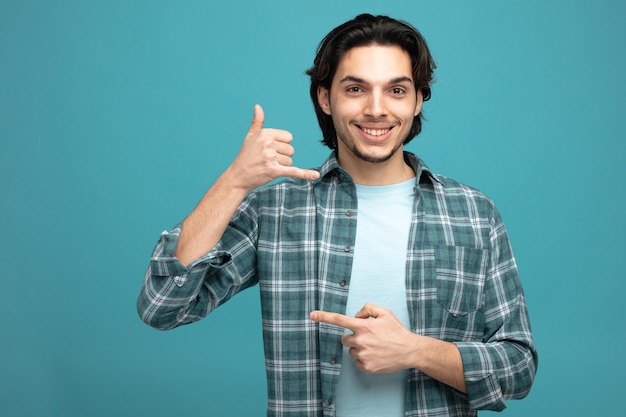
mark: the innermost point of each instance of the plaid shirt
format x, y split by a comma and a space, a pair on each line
295, 239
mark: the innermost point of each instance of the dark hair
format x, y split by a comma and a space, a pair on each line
363, 30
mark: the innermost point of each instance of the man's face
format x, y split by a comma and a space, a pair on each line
372, 101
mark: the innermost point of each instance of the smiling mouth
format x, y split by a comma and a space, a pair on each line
375, 132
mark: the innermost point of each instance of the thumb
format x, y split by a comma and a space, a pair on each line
370, 310
257, 120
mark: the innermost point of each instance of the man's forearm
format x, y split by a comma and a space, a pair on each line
440, 360
206, 224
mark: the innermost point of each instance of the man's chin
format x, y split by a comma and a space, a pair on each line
372, 154
373, 157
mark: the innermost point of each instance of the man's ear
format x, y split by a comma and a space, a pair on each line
323, 99
418, 105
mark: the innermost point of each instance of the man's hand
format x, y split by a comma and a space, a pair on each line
265, 156
379, 341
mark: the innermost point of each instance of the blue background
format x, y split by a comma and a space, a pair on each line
116, 116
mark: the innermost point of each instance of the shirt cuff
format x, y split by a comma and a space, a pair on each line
165, 264
481, 380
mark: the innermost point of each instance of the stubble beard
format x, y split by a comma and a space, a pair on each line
375, 159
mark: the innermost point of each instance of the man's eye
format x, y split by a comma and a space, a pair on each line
397, 91
354, 89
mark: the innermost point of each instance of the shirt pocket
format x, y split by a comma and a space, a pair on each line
461, 275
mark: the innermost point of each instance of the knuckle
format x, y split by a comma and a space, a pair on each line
366, 366
272, 170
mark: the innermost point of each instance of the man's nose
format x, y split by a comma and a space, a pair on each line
375, 104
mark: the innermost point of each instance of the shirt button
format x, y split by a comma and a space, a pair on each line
347, 248
342, 282
348, 213
327, 403
333, 361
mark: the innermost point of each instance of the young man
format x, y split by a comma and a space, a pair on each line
385, 289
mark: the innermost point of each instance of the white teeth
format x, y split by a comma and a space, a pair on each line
375, 132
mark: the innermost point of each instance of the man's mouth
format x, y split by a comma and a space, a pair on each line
375, 132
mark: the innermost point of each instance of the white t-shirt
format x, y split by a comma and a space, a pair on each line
378, 276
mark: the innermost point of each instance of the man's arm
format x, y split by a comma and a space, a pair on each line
490, 371
264, 156
174, 291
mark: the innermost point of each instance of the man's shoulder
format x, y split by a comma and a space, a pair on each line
428, 179
452, 185
444, 188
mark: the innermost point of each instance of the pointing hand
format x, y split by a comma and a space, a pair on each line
379, 343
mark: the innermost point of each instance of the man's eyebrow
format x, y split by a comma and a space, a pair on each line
353, 79
400, 80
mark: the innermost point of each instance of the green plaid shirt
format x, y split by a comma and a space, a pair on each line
295, 239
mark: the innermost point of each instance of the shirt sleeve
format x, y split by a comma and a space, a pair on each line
174, 294
503, 366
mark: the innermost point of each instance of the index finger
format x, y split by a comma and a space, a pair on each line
279, 135
335, 319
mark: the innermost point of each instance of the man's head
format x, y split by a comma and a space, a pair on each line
366, 30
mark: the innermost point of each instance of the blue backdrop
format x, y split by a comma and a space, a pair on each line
116, 116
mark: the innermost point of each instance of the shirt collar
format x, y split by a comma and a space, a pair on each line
331, 169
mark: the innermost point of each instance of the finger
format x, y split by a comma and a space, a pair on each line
284, 149
279, 135
284, 160
303, 174
353, 353
349, 340
285, 169
257, 120
370, 310
335, 319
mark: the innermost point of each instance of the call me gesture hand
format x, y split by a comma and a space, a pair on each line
380, 343
264, 156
